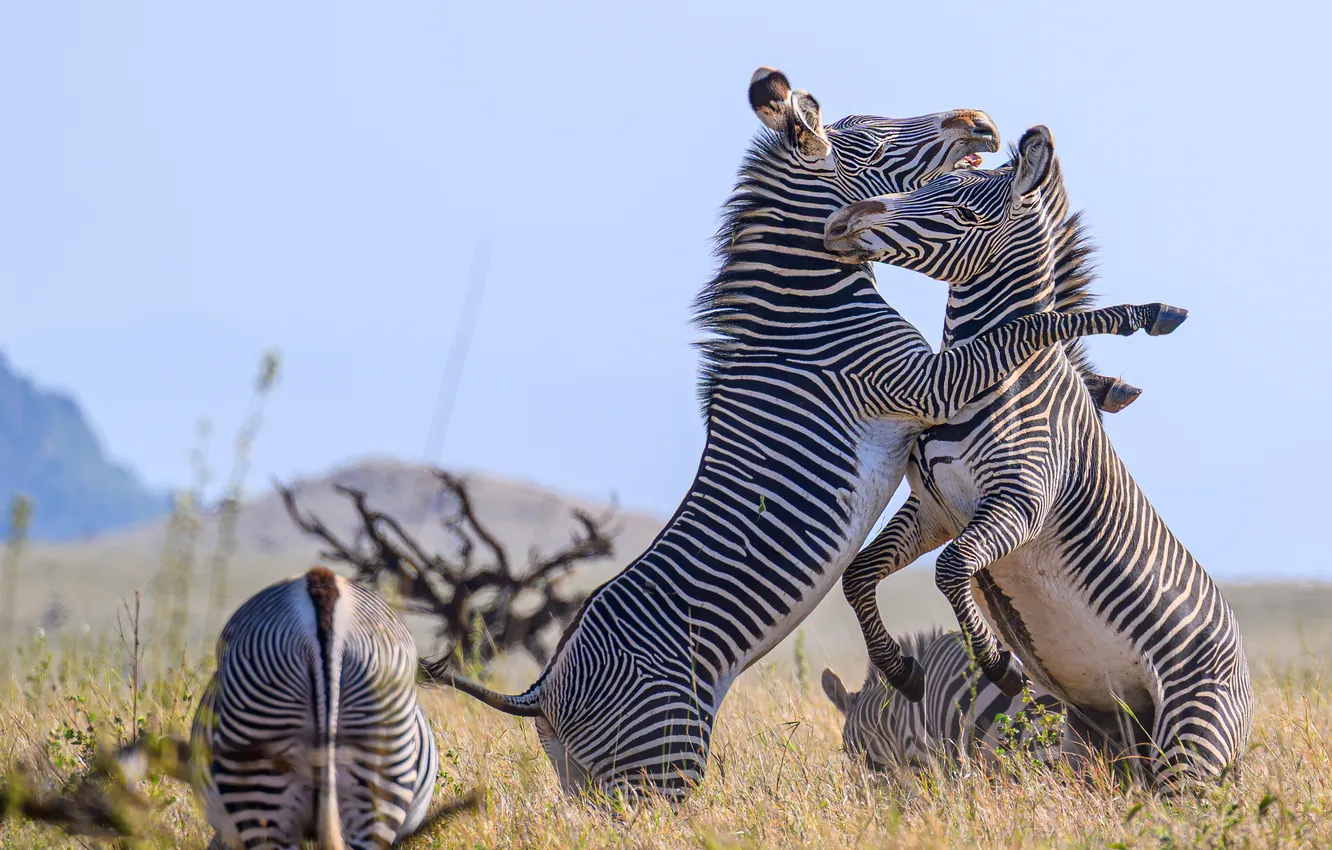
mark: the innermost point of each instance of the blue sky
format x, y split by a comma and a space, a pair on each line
185, 185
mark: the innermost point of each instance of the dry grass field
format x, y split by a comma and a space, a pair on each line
777, 777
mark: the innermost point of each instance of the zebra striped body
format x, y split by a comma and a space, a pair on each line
814, 391
959, 716
1052, 540
310, 729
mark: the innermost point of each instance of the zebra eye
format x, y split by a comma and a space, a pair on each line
966, 215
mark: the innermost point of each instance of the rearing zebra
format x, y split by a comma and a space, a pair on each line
814, 391
310, 729
1050, 534
959, 714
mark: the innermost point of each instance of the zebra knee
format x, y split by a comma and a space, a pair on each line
858, 587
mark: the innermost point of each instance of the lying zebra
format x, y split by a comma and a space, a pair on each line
962, 713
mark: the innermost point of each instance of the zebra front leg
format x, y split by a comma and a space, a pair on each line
905, 538
934, 387
999, 526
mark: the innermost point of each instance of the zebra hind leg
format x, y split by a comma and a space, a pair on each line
1197, 740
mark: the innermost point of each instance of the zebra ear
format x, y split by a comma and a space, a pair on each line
836, 691
1035, 154
810, 135
770, 97
786, 111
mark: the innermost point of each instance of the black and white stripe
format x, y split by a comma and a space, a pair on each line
310, 730
814, 390
1051, 538
961, 714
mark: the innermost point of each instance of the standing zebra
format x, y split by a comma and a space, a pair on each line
813, 391
959, 714
310, 730
1051, 536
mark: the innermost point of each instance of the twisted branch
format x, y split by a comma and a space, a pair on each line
472, 594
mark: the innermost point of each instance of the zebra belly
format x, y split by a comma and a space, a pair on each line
1036, 609
1066, 645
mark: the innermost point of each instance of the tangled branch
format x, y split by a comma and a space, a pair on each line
483, 605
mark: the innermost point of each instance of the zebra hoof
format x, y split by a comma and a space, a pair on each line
1120, 395
1167, 319
912, 684
1009, 677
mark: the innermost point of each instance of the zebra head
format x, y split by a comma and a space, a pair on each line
879, 725
961, 224
863, 155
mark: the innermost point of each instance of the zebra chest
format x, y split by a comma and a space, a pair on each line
881, 452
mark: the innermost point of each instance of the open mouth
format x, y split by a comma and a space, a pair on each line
971, 160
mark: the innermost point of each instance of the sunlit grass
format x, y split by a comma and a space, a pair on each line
777, 777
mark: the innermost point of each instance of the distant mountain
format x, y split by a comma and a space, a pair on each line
49, 452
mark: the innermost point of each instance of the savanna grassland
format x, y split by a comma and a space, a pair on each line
777, 777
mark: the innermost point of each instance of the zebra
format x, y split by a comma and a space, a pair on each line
959, 715
813, 390
310, 729
1052, 541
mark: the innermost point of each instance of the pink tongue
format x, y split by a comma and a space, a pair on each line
973, 159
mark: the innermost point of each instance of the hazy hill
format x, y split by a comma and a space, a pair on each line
49, 452
1282, 621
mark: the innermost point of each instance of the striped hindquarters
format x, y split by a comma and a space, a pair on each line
310, 728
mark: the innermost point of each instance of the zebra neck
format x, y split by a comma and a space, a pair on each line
1005, 291
776, 282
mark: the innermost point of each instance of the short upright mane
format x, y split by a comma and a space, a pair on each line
711, 312
1075, 270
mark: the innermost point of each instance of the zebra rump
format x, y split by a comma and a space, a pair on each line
310, 730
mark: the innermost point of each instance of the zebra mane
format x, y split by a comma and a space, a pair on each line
711, 312
920, 640
1075, 268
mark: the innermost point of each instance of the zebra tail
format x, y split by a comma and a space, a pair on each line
330, 819
329, 824
435, 673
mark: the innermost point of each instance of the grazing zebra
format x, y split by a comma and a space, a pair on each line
813, 393
310, 730
1051, 537
960, 714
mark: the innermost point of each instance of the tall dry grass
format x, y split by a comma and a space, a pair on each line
777, 777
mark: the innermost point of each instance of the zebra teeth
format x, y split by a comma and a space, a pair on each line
971, 160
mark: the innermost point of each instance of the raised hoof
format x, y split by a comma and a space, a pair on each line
1009, 676
912, 685
1120, 395
1167, 319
